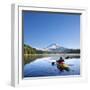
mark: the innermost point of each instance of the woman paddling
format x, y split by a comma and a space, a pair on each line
60, 61
61, 65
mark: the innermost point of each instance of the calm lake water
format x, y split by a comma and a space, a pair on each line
43, 67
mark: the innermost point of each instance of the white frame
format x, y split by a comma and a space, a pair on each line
16, 65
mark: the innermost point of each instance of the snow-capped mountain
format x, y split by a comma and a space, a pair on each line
55, 48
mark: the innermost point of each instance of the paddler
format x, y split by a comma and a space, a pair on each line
60, 61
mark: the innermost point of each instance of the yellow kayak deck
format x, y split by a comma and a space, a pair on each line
63, 65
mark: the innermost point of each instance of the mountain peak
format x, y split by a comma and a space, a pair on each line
53, 46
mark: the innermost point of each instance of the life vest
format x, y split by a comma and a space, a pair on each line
60, 61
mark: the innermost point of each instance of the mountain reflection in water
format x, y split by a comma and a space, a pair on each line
46, 66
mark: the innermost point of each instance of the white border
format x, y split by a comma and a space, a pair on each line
16, 77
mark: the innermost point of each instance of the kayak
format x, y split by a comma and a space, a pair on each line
63, 66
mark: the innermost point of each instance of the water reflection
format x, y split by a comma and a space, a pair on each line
47, 66
31, 57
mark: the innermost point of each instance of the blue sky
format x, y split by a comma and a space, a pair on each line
43, 28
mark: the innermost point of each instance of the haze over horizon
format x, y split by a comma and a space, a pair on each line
43, 28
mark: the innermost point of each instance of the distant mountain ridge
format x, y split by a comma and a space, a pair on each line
50, 49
